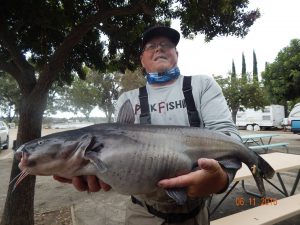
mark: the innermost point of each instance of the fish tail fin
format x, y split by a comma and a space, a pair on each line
265, 168
261, 170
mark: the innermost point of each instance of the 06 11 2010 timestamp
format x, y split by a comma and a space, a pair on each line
252, 201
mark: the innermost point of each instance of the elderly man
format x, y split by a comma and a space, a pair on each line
172, 99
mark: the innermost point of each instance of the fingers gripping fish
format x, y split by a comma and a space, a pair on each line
132, 158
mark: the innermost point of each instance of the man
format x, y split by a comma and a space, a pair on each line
171, 99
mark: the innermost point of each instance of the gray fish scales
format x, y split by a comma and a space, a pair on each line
133, 158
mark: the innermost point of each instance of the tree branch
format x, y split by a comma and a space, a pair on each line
9, 68
51, 70
23, 72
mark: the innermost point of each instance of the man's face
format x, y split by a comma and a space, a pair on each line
159, 55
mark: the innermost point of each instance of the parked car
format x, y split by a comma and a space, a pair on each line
4, 135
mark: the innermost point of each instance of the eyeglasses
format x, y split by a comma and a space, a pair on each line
162, 45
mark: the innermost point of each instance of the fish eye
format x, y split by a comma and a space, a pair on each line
40, 142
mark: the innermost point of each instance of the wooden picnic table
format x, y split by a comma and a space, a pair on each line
280, 162
265, 214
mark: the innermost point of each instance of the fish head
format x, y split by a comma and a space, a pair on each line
57, 154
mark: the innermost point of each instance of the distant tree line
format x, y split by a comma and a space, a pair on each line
244, 90
99, 89
282, 77
279, 84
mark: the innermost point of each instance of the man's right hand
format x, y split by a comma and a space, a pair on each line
85, 183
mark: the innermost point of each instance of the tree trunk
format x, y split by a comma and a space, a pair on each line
109, 118
19, 205
233, 114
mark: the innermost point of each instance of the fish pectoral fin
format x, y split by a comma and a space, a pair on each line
93, 157
178, 194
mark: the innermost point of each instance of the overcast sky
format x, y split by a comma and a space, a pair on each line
278, 25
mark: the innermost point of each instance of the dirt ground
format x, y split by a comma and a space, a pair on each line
56, 203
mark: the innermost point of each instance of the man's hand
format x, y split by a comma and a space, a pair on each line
85, 183
211, 178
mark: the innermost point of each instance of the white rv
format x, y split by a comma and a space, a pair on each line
270, 116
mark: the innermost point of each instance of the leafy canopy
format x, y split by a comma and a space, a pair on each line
9, 96
282, 77
114, 31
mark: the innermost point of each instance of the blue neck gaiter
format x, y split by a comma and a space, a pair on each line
158, 78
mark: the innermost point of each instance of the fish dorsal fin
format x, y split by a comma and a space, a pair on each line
126, 113
178, 194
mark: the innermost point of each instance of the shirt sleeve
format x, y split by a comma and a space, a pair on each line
213, 108
215, 114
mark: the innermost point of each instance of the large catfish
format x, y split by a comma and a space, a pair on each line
133, 158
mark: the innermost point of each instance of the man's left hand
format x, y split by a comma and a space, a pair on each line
209, 179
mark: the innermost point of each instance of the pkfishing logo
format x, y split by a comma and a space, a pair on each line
161, 107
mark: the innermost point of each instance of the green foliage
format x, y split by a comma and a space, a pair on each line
240, 95
101, 89
58, 99
232, 91
244, 71
9, 96
255, 73
282, 77
82, 97
132, 79
107, 89
233, 72
242, 92
42, 37
214, 18
255, 96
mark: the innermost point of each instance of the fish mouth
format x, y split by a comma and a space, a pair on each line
25, 162
23, 156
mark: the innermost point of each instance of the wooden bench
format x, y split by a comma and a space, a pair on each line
264, 214
270, 146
